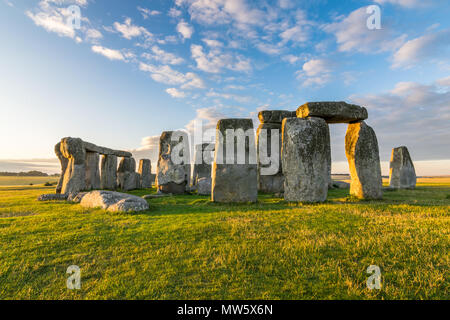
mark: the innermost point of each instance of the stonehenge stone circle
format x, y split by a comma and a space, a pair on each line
333, 112
305, 157
173, 177
204, 156
234, 174
92, 171
270, 174
361, 148
145, 170
80, 167
108, 172
402, 174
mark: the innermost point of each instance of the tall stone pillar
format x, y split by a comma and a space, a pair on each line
173, 169
402, 174
361, 148
108, 173
74, 177
234, 174
268, 136
92, 171
127, 177
145, 170
305, 159
201, 177
64, 163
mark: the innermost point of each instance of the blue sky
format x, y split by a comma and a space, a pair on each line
136, 68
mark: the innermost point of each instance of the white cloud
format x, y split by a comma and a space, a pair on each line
291, 58
316, 72
214, 61
444, 82
111, 54
162, 56
352, 34
146, 13
165, 74
53, 20
174, 12
185, 29
213, 43
425, 47
93, 34
129, 31
406, 3
175, 93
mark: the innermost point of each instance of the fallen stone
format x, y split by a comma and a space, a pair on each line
333, 112
145, 170
233, 182
402, 173
339, 185
306, 148
76, 197
52, 197
173, 177
361, 148
114, 201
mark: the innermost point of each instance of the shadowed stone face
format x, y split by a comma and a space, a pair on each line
402, 174
233, 182
92, 171
64, 163
75, 174
145, 170
361, 148
305, 156
204, 154
333, 112
127, 177
108, 173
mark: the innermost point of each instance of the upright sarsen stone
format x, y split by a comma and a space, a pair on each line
108, 172
92, 171
127, 177
201, 176
145, 170
75, 174
234, 173
173, 169
305, 159
361, 148
402, 174
64, 163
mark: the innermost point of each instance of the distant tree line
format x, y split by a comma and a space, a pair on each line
33, 173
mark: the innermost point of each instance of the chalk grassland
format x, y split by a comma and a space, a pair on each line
185, 247
25, 181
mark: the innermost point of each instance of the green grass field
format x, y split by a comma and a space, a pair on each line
186, 247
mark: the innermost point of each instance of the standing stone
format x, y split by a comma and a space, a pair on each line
108, 173
173, 177
202, 168
127, 177
333, 112
270, 174
361, 148
305, 158
92, 171
402, 174
145, 170
64, 162
75, 174
234, 178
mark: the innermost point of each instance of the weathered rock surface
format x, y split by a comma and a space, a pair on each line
306, 148
233, 182
75, 174
145, 170
173, 177
92, 171
204, 157
108, 172
52, 197
127, 177
76, 197
333, 112
335, 184
361, 148
204, 186
114, 201
106, 151
402, 173
275, 116
64, 163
